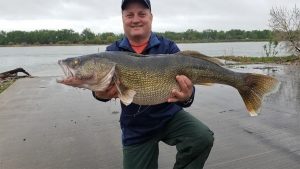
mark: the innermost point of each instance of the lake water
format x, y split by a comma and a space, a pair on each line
42, 60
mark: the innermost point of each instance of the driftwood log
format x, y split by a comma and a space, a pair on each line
14, 74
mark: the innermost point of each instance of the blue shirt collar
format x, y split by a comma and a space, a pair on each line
153, 41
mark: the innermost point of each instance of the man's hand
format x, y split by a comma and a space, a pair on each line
109, 93
185, 92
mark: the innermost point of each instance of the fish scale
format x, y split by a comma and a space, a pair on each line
151, 88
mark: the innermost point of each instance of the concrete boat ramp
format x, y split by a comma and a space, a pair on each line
45, 125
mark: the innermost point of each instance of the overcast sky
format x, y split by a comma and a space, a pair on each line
105, 15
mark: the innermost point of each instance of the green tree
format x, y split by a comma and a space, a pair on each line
87, 34
3, 38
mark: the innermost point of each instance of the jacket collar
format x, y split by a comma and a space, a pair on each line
153, 41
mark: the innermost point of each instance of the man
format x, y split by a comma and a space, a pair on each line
144, 126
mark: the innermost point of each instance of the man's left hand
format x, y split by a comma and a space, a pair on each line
185, 92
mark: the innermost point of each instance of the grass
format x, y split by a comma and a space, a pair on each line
5, 84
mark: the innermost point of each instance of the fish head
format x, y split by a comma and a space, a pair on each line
86, 71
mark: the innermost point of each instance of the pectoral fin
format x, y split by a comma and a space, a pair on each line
126, 96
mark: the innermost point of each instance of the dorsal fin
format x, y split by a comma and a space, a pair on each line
199, 55
134, 54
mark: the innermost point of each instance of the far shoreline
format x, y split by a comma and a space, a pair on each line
178, 42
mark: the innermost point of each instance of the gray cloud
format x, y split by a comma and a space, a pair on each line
104, 15
58, 9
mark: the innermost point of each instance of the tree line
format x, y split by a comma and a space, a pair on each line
210, 35
52, 37
69, 36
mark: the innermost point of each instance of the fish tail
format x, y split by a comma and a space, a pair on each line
254, 88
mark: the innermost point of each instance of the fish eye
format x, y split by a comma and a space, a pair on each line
76, 62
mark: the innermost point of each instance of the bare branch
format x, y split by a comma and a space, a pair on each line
286, 26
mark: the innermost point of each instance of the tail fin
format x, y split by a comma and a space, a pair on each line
254, 88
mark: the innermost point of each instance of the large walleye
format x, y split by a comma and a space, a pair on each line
149, 80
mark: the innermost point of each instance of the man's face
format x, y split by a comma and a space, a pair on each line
137, 21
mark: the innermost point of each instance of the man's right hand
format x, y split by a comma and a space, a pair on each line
109, 93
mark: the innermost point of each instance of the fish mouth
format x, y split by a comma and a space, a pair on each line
69, 72
72, 78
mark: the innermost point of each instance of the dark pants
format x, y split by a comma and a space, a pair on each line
193, 142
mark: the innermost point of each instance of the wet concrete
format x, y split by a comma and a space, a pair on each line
47, 125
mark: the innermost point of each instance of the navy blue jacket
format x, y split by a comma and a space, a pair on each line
140, 123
